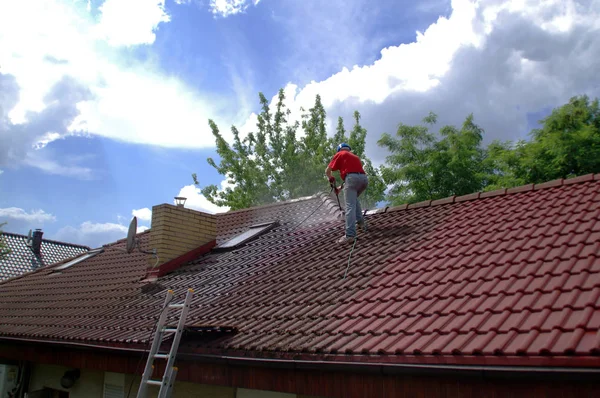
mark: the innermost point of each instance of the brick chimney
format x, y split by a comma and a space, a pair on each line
36, 242
178, 235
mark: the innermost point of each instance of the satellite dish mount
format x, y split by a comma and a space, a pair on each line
133, 243
29, 241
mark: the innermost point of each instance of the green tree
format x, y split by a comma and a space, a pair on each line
423, 166
566, 145
316, 150
275, 162
239, 165
503, 165
457, 160
408, 168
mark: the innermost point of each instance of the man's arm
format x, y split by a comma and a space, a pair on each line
332, 166
328, 172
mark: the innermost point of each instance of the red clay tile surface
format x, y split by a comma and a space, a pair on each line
514, 276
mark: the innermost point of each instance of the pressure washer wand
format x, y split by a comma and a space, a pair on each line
337, 191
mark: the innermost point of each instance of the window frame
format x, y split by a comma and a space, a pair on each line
234, 242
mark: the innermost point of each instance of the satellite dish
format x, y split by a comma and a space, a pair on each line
131, 235
132, 243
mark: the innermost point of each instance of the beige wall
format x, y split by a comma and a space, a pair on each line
91, 385
182, 389
244, 393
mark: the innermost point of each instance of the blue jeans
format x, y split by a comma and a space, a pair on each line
354, 185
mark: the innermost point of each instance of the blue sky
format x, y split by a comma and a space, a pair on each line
104, 104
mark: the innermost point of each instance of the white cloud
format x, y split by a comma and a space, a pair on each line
94, 228
50, 166
197, 201
43, 42
226, 8
499, 60
141, 107
34, 216
130, 22
144, 214
94, 234
416, 66
475, 60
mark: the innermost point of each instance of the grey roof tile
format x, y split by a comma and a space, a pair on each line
21, 258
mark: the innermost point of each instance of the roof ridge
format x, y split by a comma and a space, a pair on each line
46, 240
483, 194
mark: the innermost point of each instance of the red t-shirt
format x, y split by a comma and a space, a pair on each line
346, 162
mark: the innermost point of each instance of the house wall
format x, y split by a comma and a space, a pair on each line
182, 389
91, 384
245, 393
305, 383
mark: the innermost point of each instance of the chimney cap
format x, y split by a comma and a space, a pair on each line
180, 201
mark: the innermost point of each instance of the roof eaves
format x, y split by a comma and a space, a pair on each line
504, 367
559, 367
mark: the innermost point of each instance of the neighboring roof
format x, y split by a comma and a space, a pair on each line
503, 277
21, 259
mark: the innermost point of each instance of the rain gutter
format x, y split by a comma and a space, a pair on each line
481, 371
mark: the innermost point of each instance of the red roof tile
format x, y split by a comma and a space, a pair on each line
478, 278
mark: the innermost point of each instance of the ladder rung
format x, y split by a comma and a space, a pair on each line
166, 384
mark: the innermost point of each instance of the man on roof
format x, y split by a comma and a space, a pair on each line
355, 182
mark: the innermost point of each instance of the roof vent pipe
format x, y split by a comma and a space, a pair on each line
36, 245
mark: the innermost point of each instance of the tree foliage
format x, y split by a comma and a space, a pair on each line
427, 166
283, 159
566, 145
423, 166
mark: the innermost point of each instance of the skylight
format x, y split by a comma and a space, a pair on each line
252, 232
79, 259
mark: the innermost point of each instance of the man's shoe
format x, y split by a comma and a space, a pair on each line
362, 225
344, 240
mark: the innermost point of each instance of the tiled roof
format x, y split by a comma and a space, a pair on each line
21, 258
505, 277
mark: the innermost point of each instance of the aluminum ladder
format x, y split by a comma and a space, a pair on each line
166, 384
